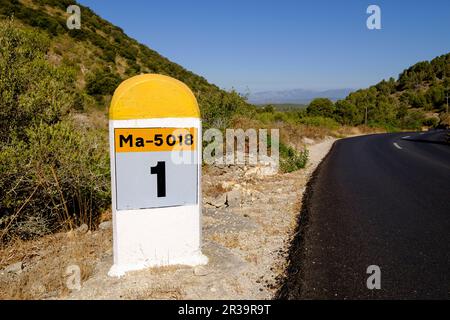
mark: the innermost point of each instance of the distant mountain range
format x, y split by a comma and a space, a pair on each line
296, 96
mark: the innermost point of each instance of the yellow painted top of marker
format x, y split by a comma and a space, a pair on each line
148, 96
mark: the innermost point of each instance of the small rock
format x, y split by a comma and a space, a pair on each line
251, 172
15, 268
262, 171
83, 228
38, 288
308, 140
201, 271
212, 289
105, 225
218, 201
227, 184
233, 198
268, 171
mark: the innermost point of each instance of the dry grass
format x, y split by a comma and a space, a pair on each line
292, 133
121, 65
252, 258
351, 131
215, 189
445, 119
45, 261
229, 240
105, 216
159, 292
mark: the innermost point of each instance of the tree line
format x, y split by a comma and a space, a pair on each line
405, 103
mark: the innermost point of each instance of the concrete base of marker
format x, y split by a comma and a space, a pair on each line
156, 237
193, 260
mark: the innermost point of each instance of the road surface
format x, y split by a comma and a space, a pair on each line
379, 200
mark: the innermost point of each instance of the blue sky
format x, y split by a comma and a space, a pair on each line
283, 44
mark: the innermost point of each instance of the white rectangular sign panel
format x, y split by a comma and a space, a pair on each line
149, 178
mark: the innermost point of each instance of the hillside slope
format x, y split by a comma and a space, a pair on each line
103, 55
414, 99
55, 88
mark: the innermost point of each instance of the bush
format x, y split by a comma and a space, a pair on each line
277, 116
319, 122
321, 107
431, 122
413, 120
269, 109
31, 90
52, 173
418, 100
347, 113
102, 83
291, 159
109, 55
444, 120
57, 177
218, 108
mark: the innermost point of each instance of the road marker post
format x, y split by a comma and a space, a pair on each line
155, 147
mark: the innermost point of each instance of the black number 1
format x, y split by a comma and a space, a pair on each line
160, 171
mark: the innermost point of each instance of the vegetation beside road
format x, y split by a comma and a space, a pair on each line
56, 84
54, 170
416, 99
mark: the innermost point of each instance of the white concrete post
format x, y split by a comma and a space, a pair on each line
155, 147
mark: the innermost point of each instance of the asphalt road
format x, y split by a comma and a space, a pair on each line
380, 200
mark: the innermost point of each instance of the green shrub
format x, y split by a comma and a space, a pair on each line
431, 122
109, 55
31, 90
218, 108
58, 178
52, 172
319, 122
265, 117
291, 159
269, 108
413, 120
321, 107
133, 68
444, 120
102, 83
275, 116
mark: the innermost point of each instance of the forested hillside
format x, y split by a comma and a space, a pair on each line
55, 88
102, 55
416, 98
